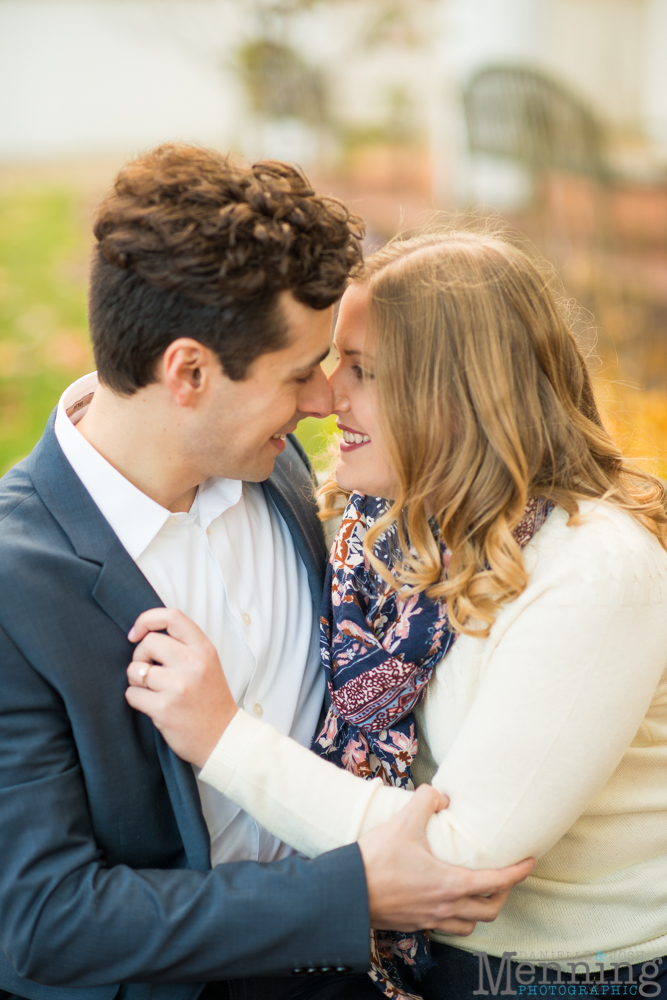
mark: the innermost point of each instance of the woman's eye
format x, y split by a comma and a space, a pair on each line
361, 373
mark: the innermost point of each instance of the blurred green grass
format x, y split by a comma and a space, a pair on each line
43, 328
317, 437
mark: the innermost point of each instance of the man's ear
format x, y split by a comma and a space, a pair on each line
187, 367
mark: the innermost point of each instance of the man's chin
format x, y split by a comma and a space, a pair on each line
259, 471
253, 468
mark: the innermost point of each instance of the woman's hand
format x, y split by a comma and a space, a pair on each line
178, 681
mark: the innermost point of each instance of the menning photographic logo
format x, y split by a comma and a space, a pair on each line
520, 978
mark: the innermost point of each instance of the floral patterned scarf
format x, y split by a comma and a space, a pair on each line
379, 649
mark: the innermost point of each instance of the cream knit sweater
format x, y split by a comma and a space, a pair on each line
549, 736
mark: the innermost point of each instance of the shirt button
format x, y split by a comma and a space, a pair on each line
208, 531
246, 618
257, 709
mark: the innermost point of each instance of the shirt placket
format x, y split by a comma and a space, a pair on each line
243, 611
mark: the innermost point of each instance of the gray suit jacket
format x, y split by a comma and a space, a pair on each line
105, 876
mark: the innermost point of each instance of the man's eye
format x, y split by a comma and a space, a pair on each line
306, 378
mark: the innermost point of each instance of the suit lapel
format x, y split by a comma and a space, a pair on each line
182, 787
123, 593
122, 590
292, 491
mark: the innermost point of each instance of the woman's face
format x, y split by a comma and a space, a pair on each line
363, 464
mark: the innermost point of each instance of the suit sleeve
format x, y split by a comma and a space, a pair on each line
68, 919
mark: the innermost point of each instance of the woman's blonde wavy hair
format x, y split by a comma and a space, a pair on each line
485, 401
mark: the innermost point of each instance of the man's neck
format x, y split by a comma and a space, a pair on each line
132, 434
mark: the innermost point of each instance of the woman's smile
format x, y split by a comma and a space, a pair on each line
352, 439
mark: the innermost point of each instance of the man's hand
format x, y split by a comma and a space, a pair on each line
178, 681
409, 889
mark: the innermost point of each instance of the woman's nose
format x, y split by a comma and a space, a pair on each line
340, 400
341, 404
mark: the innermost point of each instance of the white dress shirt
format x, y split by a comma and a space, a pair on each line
229, 564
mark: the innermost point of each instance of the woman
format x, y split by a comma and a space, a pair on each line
496, 599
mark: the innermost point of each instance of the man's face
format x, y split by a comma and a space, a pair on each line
241, 429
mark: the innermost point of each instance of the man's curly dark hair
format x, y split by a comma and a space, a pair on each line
190, 243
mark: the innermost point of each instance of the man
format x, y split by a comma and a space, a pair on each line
121, 876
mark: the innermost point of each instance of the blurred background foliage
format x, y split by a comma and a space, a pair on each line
550, 115
43, 330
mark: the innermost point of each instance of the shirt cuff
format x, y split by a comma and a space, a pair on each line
230, 750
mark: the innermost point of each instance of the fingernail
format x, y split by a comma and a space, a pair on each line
131, 634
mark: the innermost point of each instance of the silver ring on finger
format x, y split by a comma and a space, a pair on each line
143, 674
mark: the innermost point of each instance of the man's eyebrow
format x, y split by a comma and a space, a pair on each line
311, 364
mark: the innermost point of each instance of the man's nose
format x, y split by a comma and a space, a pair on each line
315, 400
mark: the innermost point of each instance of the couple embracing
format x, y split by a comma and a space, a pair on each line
230, 768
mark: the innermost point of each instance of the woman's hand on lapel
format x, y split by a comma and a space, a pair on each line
177, 679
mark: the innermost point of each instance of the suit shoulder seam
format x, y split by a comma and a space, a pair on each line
16, 506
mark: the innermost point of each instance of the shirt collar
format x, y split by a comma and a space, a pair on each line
135, 518
215, 496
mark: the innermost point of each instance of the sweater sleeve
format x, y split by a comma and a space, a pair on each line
564, 686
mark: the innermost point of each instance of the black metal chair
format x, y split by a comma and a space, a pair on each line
523, 115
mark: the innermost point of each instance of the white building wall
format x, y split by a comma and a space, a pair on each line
653, 98
597, 47
91, 76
